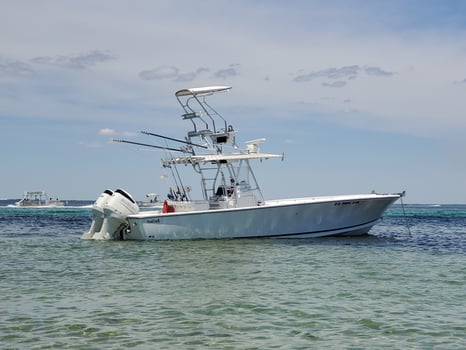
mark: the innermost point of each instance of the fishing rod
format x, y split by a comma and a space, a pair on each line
172, 139
147, 145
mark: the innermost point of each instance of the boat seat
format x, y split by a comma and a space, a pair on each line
220, 191
224, 191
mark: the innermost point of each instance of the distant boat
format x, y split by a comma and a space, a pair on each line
232, 204
38, 199
151, 202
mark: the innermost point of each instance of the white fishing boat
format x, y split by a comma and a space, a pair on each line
38, 199
232, 205
152, 201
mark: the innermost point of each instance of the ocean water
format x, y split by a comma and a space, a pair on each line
392, 289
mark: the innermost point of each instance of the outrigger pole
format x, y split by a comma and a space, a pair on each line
147, 145
172, 139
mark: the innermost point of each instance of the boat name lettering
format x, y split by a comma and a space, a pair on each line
346, 203
153, 221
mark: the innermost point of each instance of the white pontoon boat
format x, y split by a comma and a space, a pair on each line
233, 205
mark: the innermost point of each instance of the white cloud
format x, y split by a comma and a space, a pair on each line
377, 71
460, 81
76, 61
14, 67
230, 72
177, 74
107, 132
162, 72
335, 84
128, 133
113, 132
345, 72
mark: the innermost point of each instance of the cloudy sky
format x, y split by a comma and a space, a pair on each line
359, 95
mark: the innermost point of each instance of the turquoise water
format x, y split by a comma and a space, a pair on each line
393, 289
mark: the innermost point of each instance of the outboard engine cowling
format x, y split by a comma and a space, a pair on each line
98, 214
118, 207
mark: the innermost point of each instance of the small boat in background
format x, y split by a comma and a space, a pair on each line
151, 202
38, 199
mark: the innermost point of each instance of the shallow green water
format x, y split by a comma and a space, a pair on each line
388, 290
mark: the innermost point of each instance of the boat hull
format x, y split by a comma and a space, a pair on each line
39, 205
294, 218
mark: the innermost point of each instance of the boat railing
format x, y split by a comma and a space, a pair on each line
201, 133
211, 112
191, 116
193, 99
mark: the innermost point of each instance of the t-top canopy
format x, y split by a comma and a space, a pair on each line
35, 193
202, 90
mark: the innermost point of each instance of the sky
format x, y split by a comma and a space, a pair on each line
358, 95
